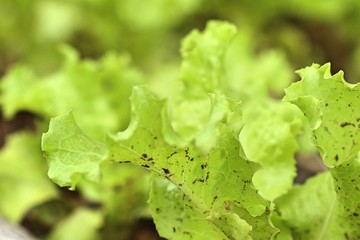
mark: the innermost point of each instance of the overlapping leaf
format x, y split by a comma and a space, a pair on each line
269, 138
328, 102
72, 152
83, 224
97, 89
215, 182
23, 184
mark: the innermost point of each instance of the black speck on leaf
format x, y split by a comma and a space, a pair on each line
344, 124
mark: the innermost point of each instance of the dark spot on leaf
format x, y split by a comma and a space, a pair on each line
214, 199
166, 171
187, 233
353, 180
355, 214
267, 211
344, 124
326, 104
126, 161
207, 176
336, 157
174, 229
172, 154
157, 210
144, 156
145, 165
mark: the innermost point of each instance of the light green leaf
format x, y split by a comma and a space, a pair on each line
176, 216
314, 211
71, 154
202, 72
222, 58
202, 69
250, 76
215, 182
329, 103
23, 183
120, 184
83, 224
269, 138
99, 89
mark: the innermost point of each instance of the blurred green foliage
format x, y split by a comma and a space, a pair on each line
107, 46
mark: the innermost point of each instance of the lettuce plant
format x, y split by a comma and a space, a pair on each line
221, 152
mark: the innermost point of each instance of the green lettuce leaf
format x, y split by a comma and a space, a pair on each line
176, 216
216, 182
89, 88
222, 58
23, 183
328, 102
68, 150
83, 224
269, 138
122, 193
317, 210
311, 210
202, 69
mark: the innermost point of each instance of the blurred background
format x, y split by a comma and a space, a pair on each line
86, 55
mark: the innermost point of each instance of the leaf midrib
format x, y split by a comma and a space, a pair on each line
326, 224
